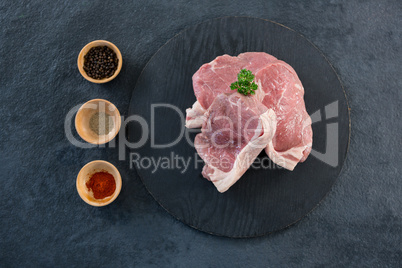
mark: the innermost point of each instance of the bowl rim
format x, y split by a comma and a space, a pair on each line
118, 123
96, 43
116, 192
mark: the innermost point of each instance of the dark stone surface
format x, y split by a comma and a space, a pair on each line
45, 223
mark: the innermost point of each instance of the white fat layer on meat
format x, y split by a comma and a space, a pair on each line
280, 159
259, 93
224, 180
257, 130
195, 116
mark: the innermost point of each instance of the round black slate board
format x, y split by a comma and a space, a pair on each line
263, 200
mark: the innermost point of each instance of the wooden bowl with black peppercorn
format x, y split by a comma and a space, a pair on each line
99, 61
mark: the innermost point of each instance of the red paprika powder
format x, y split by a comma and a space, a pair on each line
102, 184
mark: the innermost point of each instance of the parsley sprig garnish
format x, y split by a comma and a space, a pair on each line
244, 83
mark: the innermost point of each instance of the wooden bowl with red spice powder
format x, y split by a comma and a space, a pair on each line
99, 183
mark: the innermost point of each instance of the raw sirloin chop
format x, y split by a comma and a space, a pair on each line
279, 89
237, 128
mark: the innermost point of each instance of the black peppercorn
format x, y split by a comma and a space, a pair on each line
100, 62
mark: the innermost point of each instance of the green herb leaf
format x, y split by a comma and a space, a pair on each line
244, 83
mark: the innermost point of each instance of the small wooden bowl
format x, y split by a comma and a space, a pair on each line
85, 174
84, 51
84, 114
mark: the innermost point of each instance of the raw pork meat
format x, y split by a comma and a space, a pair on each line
237, 128
215, 78
279, 88
283, 92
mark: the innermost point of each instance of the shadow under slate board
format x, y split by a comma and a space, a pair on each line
264, 200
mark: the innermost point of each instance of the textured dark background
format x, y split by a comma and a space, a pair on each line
45, 223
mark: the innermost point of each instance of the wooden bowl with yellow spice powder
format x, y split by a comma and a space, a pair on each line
98, 121
99, 183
